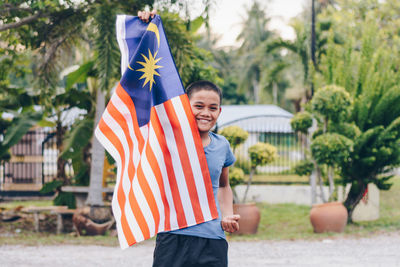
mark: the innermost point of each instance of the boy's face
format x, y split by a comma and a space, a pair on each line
206, 109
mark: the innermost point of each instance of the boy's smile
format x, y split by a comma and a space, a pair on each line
206, 109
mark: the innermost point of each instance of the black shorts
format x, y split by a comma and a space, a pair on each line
174, 250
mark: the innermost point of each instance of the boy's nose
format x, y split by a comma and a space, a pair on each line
205, 113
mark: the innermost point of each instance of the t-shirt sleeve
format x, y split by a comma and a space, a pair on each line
230, 158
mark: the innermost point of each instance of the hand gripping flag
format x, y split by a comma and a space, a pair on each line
148, 127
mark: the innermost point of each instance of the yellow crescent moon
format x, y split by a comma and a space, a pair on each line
153, 28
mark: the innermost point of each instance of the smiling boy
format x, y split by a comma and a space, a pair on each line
203, 244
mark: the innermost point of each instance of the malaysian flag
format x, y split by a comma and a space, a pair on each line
148, 127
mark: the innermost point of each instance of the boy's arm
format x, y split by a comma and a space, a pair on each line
229, 221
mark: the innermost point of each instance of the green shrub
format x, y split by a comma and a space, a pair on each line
243, 164
304, 168
331, 149
62, 198
261, 154
350, 130
301, 122
332, 102
236, 176
235, 135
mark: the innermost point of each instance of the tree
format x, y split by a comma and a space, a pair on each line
366, 66
300, 49
254, 33
83, 33
57, 27
17, 113
260, 154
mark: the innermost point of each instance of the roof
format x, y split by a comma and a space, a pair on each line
256, 118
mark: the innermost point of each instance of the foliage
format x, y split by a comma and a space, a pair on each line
236, 176
18, 127
191, 61
365, 64
331, 149
108, 55
304, 168
75, 147
65, 199
235, 135
51, 186
332, 103
301, 122
256, 74
299, 55
261, 154
62, 198
17, 115
243, 163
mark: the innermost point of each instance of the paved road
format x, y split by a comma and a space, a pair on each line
382, 250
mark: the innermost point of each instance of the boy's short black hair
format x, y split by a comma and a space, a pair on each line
203, 85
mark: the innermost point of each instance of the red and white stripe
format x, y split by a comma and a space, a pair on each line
162, 178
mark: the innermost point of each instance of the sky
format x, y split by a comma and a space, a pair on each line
227, 15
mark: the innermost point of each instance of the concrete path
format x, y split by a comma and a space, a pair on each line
382, 250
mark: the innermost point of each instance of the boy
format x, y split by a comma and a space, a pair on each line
203, 244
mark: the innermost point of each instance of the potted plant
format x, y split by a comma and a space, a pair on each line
329, 149
259, 154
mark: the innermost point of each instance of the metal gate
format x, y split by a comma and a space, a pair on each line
33, 162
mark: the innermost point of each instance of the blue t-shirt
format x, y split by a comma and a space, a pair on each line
218, 155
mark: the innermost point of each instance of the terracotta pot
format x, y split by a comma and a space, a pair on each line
249, 217
328, 217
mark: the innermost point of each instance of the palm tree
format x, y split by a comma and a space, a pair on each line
107, 68
299, 47
88, 29
60, 28
254, 33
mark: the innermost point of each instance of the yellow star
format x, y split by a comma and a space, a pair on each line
149, 68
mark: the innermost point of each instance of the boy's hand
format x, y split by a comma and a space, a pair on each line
230, 223
146, 15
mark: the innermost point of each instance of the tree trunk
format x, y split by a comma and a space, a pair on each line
331, 183
313, 184
235, 196
353, 198
313, 46
321, 184
60, 131
95, 196
256, 91
275, 94
253, 170
297, 105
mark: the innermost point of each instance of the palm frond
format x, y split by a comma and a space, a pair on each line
107, 60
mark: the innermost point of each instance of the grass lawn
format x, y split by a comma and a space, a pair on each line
27, 203
290, 221
278, 222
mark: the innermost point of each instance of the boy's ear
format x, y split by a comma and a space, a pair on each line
220, 109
